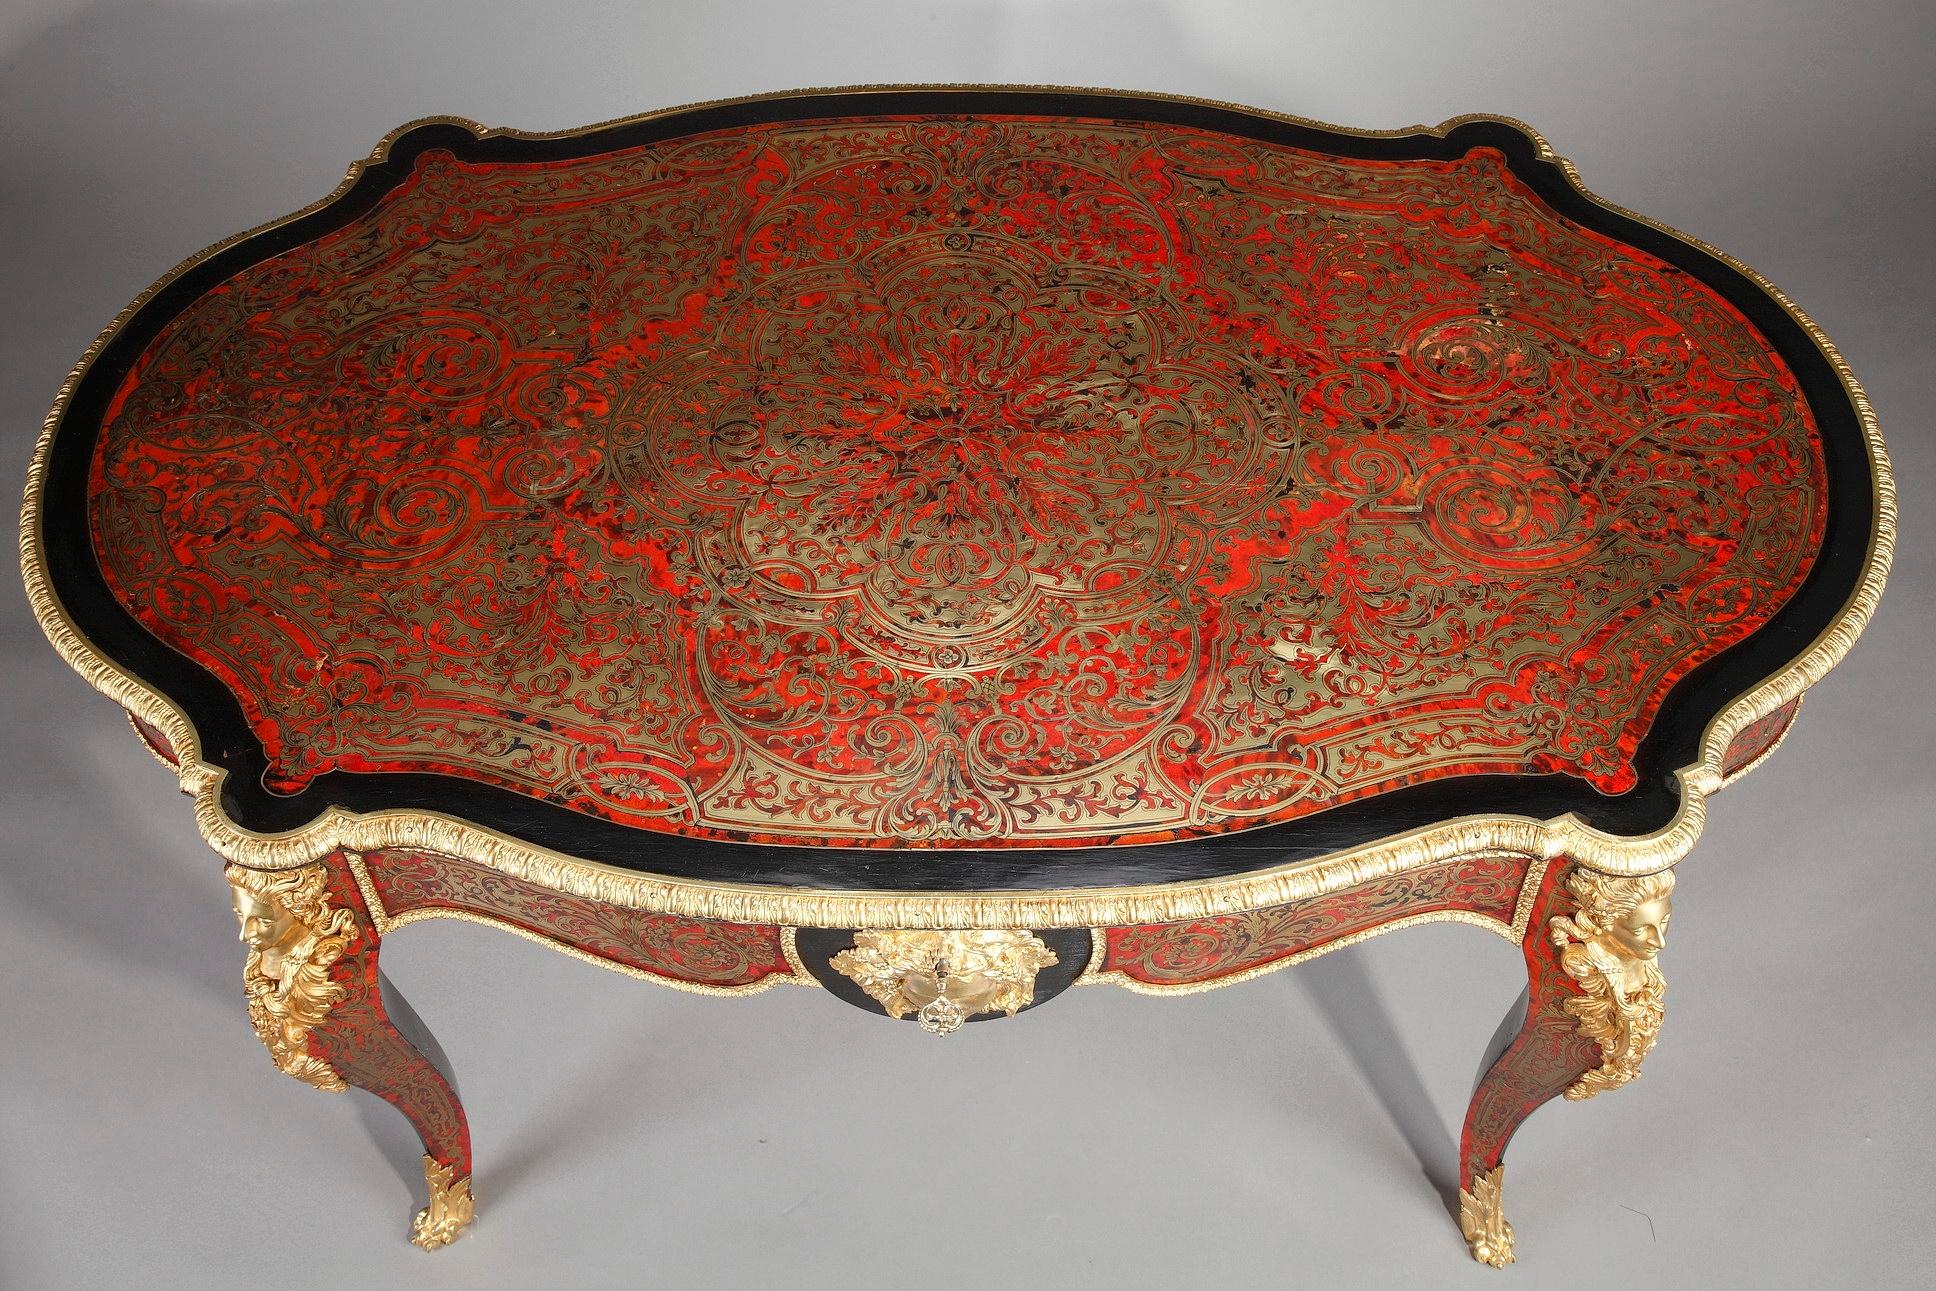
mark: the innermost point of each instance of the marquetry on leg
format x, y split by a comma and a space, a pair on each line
1593, 1009
314, 998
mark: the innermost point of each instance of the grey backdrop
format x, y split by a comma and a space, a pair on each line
1293, 1131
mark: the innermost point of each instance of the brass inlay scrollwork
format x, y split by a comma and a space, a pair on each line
1004, 485
293, 938
442, 1221
1608, 946
1482, 1219
945, 978
1697, 779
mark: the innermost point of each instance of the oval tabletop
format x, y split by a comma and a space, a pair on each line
953, 490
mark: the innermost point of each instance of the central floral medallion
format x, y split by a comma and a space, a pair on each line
953, 444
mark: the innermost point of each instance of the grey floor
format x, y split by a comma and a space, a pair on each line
1293, 1131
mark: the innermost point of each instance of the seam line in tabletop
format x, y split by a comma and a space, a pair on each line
337, 828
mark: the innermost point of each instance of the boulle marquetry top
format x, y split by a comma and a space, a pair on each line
960, 508
948, 490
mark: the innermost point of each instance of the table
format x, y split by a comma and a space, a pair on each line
945, 545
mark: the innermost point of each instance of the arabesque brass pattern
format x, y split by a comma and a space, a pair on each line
1485, 890
709, 956
1009, 480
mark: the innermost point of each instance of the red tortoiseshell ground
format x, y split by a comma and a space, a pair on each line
706, 952
947, 481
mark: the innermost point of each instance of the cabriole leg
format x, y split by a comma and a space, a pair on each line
1593, 1008
315, 1000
